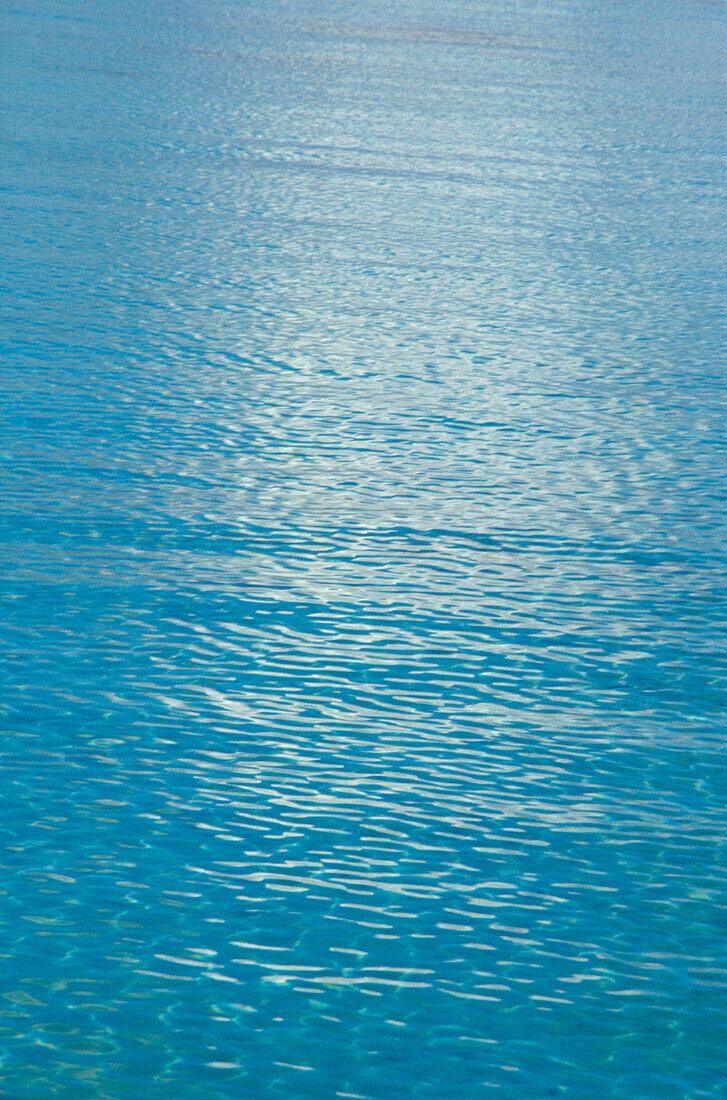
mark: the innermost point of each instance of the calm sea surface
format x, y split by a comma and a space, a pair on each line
362, 539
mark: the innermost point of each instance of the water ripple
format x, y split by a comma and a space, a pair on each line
362, 536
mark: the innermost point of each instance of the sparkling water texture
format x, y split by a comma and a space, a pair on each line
362, 534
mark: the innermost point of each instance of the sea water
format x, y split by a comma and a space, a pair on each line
362, 516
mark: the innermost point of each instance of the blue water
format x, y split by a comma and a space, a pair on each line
362, 533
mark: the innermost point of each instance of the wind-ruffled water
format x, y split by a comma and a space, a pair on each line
362, 518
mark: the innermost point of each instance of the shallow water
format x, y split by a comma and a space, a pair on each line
362, 533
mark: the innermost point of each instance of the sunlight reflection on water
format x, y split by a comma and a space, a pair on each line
362, 532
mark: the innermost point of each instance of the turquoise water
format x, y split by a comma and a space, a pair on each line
362, 517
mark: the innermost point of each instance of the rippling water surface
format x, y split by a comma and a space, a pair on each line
362, 537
